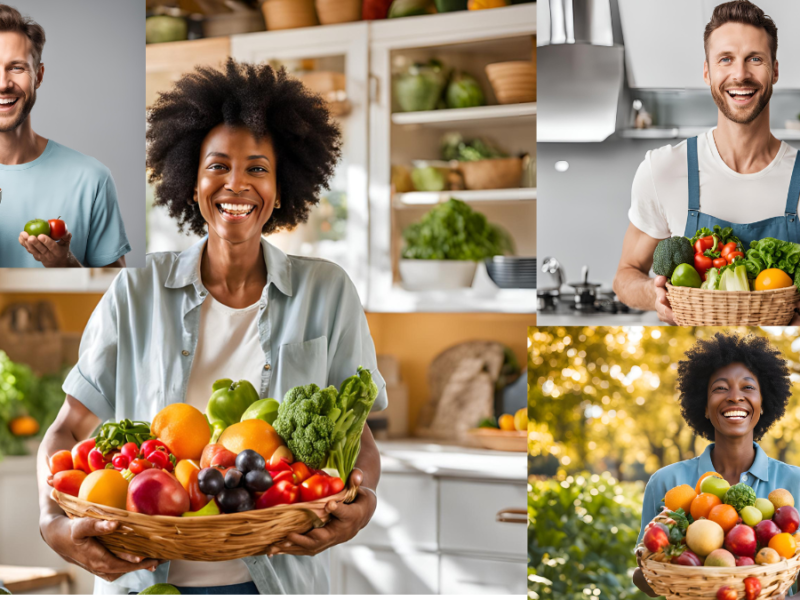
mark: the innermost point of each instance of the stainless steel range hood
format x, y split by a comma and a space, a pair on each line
579, 71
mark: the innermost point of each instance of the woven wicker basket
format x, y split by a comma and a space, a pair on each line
693, 306
222, 537
701, 583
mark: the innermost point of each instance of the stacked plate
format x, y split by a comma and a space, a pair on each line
512, 271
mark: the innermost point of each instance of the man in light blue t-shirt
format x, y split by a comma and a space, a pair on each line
41, 179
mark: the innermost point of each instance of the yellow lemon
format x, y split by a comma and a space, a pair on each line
772, 279
521, 419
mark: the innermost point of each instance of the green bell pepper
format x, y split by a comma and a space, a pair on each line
266, 410
227, 404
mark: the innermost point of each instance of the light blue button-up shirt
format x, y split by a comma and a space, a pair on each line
764, 475
137, 349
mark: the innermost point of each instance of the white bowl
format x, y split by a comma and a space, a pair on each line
437, 274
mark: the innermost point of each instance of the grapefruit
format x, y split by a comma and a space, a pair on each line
252, 434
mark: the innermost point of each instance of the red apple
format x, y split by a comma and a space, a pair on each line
752, 588
741, 540
58, 229
765, 530
787, 518
727, 593
744, 561
655, 539
156, 492
687, 558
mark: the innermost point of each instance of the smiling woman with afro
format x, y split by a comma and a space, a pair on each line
234, 155
733, 389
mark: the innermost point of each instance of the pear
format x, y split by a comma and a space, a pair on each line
208, 510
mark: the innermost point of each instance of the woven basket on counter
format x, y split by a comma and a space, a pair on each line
213, 538
693, 306
701, 583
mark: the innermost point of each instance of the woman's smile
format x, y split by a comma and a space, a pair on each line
734, 400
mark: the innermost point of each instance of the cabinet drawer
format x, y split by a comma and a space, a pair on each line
473, 520
405, 516
475, 576
363, 570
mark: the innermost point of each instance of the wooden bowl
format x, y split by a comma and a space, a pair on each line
514, 81
289, 14
494, 439
338, 11
491, 173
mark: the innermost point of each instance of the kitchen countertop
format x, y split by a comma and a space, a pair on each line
444, 459
548, 319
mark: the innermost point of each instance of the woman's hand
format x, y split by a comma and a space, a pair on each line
74, 541
639, 579
346, 521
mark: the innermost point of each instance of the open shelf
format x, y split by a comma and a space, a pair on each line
501, 114
424, 198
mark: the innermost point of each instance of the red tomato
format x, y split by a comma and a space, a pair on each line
97, 461
718, 263
301, 472
702, 263
703, 244
336, 485
61, 461
58, 229
314, 488
139, 464
131, 450
80, 455
728, 248
150, 445
120, 462
733, 256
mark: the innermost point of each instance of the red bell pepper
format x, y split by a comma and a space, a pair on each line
706, 243
282, 476
702, 264
314, 488
278, 464
301, 472
282, 492
80, 455
197, 499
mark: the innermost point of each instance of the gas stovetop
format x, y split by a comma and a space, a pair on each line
551, 302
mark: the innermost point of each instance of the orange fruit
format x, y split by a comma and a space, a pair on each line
251, 434
703, 504
24, 426
506, 423
784, 544
709, 474
680, 497
772, 279
725, 516
106, 486
184, 430
184, 470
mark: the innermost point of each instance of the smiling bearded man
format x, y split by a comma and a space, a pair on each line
42, 179
738, 173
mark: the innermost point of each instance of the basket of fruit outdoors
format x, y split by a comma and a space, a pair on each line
720, 542
714, 280
246, 474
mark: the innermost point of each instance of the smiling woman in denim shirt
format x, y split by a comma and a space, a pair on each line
722, 378
235, 155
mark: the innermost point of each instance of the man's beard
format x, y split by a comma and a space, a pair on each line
738, 117
26, 110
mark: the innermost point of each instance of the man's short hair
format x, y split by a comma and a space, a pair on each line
12, 20
742, 11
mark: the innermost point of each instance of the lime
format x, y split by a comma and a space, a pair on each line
160, 589
766, 507
37, 227
714, 485
686, 276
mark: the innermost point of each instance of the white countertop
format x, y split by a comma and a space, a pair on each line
443, 459
596, 319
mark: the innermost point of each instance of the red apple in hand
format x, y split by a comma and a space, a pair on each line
58, 229
655, 539
741, 540
156, 492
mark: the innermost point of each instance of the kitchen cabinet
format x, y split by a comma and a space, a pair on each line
442, 525
671, 55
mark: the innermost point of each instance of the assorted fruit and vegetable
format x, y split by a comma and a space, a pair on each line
230, 459
516, 422
717, 260
431, 85
715, 524
55, 229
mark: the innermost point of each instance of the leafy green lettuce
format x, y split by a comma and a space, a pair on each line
771, 253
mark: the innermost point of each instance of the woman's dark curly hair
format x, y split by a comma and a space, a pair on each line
753, 351
268, 103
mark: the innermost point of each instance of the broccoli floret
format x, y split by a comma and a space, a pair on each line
740, 496
670, 253
305, 421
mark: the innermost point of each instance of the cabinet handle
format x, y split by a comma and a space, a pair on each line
512, 515
374, 88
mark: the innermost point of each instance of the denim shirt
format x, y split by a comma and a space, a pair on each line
137, 349
764, 475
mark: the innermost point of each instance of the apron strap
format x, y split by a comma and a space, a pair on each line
693, 168
792, 201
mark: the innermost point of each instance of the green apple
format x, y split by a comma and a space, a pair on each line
766, 507
751, 516
714, 485
37, 227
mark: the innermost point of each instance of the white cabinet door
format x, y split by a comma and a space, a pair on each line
365, 570
473, 518
464, 576
405, 518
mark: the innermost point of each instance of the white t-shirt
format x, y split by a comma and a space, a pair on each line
660, 193
228, 348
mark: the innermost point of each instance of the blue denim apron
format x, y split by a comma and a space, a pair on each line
786, 228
